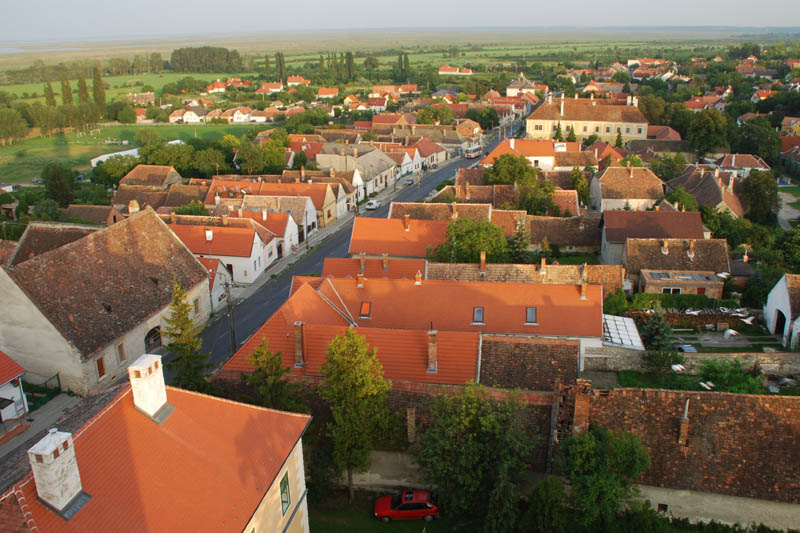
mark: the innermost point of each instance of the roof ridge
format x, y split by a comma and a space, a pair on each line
234, 402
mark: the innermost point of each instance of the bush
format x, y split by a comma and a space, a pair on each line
616, 303
727, 375
656, 333
678, 301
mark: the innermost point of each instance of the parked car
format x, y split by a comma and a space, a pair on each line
686, 348
409, 181
407, 505
37, 180
373, 204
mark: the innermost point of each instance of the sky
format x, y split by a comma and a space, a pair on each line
82, 20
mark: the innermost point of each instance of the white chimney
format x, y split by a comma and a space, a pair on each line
263, 214
133, 207
209, 235
511, 142
562, 104
147, 383
55, 469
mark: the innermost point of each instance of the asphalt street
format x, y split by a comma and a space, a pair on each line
249, 314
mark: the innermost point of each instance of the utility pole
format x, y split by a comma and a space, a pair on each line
230, 317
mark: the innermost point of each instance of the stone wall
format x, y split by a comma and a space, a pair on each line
736, 444
528, 364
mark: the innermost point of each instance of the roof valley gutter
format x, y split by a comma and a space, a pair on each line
478, 365
336, 309
344, 305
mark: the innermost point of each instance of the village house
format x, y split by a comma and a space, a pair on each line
432, 154
299, 208
160, 176
244, 246
13, 402
215, 87
327, 92
546, 155
447, 70
237, 115
350, 181
401, 238
524, 86
619, 226
685, 255
142, 444
585, 118
681, 282
444, 135
740, 165
571, 234
219, 281
376, 169
269, 87
625, 188
293, 81
145, 99
85, 309
710, 187
282, 225
782, 309
94, 214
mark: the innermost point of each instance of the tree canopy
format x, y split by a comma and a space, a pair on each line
759, 197
465, 241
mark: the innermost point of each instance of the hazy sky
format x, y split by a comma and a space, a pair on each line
77, 20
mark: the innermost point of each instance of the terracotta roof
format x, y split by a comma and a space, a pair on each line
575, 159
275, 222
508, 220
662, 132
438, 211
212, 265
375, 236
373, 268
583, 231
622, 225
473, 176
96, 214
709, 254
611, 277
150, 175
630, 183
144, 476
311, 149
6, 250
582, 109
9, 369
529, 148
144, 195
742, 161
562, 179
234, 242
710, 188
567, 201
326, 91
249, 188
604, 150
97, 288
180, 194
41, 237
427, 147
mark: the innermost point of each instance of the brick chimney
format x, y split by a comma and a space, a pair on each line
418, 278
133, 207
209, 235
360, 280
406, 222
302, 171
543, 266
224, 220
172, 218
690, 252
562, 104
146, 375
362, 261
683, 435
385, 261
665, 247
511, 143
355, 151
432, 346
55, 470
299, 356
483, 264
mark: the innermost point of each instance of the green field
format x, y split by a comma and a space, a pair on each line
24, 160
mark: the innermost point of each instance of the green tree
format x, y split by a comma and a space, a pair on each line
547, 510
156, 62
127, 115
113, 169
99, 91
656, 333
66, 90
195, 207
12, 126
619, 142
558, 135
601, 466
581, 185
668, 166
682, 199
355, 390
509, 169
349, 67
631, 160
58, 181
759, 197
708, 130
660, 362
476, 451
653, 108
571, 136
758, 137
209, 162
465, 241
371, 63
184, 342
146, 137
518, 244
269, 380
49, 95
267, 68
728, 376
47, 209
615, 303
252, 159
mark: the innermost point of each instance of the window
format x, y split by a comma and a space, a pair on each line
530, 315
608, 129
663, 507
477, 315
536, 163
701, 290
639, 131
585, 129
285, 499
101, 368
597, 129
671, 290
365, 310
538, 127
197, 306
627, 130
254, 265
121, 352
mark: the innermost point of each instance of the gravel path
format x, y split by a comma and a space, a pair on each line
787, 212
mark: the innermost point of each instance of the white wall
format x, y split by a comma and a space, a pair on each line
218, 294
778, 299
633, 203
20, 405
247, 269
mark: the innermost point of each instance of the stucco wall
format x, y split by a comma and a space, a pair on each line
778, 300
9, 391
269, 517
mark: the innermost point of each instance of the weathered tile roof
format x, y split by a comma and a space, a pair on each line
151, 175
6, 250
621, 225
145, 196
710, 188
97, 288
742, 161
422, 211
96, 214
180, 194
343, 267
630, 183
41, 237
583, 231
706, 254
584, 110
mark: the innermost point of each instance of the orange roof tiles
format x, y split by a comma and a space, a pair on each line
238, 188
212, 265
375, 236
342, 267
233, 242
528, 148
205, 468
9, 369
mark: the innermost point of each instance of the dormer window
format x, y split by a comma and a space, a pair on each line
365, 310
477, 315
530, 315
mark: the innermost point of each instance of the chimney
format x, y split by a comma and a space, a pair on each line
299, 356
595, 153
543, 265
209, 235
635, 101
432, 359
263, 214
716, 172
591, 97
413, 129
147, 383
549, 99
630, 170
224, 220
628, 100
362, 261
562, 104
55, 470
665, 247
406, 222
658, 207
133, 207
360, 280
690, 253
745, 258
467, 189
385, 261
303, 171
483, 263
355, 151
733, 160
583, 290
511, 142
418, 278
216, 200
684, 430
172, 217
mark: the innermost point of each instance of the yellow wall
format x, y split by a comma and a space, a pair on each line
630, 131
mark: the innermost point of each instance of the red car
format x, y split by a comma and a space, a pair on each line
408, 505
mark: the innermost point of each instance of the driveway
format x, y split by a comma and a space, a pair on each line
787, 212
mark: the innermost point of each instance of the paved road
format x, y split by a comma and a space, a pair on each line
250, 313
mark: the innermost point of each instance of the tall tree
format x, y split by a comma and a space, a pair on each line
558, 135
184, 341
267, 68
83, 90
758, 137
760, 197
476, 451
156, 62
49, 95
619, 142
406, 66
12, 125
99, 91
518, 244
581, 185
66, 90
466, 239
58, 179
707, 131
355, 390
349, 69
269, 380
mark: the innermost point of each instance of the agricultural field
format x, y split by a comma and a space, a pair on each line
24, 160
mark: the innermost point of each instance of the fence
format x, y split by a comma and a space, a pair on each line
40, 394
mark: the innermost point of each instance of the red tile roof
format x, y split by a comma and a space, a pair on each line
528, 148
236, 189
210, 454
375, 236
233, 242
629, 183
373, 268
327, 91
212, 265
621, 225
9, 369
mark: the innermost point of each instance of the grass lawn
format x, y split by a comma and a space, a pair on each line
644, 380
24, 160
337, 516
